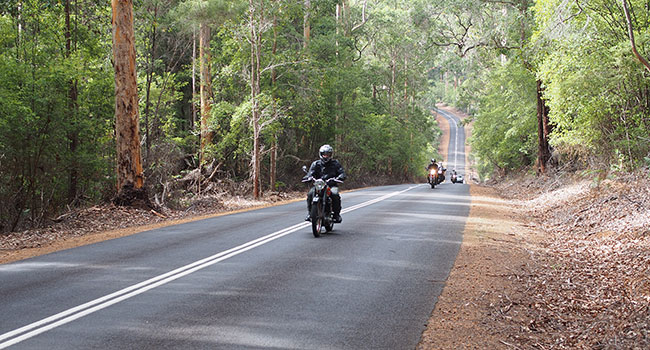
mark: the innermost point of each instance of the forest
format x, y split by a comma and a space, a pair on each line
240, 94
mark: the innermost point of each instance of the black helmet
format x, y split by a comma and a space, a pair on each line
325, 153
433, 160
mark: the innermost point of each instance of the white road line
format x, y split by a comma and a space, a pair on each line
38, 327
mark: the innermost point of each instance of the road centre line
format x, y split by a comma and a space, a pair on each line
61, 318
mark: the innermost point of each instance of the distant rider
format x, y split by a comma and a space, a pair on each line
327, 169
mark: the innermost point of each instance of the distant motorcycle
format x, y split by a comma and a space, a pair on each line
457, 178
321, 215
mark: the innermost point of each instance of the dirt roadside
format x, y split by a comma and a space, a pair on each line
104, 222
492, 254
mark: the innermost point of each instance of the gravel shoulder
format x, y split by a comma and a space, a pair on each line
493, 254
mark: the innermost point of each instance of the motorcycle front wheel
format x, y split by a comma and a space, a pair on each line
316, 220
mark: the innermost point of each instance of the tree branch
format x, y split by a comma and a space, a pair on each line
364, 19
631, 34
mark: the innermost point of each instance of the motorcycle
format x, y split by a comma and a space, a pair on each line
432, 177
441, 175
456, 178
321, 215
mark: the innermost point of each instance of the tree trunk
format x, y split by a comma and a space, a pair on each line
630, 32
543, 130
147, 99
306, 26
273, 161
406, 81
254, 83
206, 85
73, 134
393, 68
193, 121
274, 146
130, 179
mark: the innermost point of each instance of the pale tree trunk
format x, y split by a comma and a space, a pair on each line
19, 29
306, 26
255, 89
393, 73
406, 81
204, 53
274, 146
345, 18
130, 179
193, 77
338, 25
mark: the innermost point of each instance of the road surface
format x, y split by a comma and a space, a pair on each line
251, 280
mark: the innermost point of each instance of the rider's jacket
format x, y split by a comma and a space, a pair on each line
330, 170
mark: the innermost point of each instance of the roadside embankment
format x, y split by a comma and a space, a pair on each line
557, 262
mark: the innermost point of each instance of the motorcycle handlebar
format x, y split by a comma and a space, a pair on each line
311, 178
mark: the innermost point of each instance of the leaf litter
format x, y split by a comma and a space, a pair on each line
589, 285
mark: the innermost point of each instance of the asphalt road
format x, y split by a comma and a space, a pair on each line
251, 280
456, 152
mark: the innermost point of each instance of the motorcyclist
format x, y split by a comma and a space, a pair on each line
328, 169
441, 173
432, 165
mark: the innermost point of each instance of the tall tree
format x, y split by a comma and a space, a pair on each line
130, 178
205, 88
306, 25
206, 15
73, 134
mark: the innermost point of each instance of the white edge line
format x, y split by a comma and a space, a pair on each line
102, 305
137, 286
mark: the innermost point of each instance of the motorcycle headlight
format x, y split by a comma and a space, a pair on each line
319, 184
432, 172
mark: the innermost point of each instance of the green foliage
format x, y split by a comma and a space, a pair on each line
504, 136
40, 119
357, 84
595, 86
